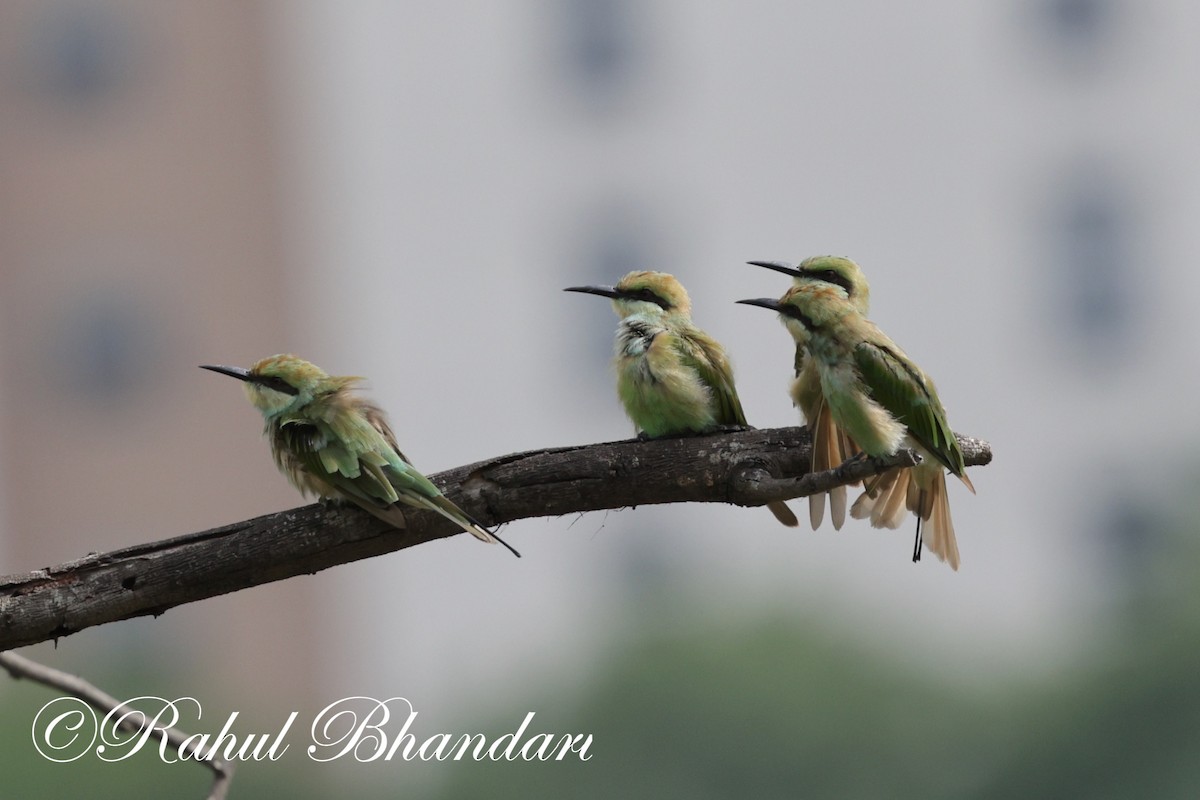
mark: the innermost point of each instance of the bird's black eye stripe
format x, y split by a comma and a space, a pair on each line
649, 297
791, 311
276, 383
836, 278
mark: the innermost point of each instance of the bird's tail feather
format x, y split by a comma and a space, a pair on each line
929, 500
450, 511
816, 509
783, 513
883, 500
830, 447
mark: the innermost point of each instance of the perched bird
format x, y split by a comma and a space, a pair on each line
331, 442
880, 398
830, 444
672, 377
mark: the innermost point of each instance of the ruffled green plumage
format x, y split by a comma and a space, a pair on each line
330, 442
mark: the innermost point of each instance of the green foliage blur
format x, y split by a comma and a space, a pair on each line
786, 709
776, 708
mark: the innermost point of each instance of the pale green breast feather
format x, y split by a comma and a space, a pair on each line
659, 392
875, 430
805, 389
799, 359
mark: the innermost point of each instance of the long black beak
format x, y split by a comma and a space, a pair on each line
603, 291
764, 302
778, 266
233, 372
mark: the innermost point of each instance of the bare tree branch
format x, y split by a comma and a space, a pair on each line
743, 467
20, 667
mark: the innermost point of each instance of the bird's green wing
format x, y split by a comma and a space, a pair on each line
368, 439
900, 387
362, 463
408, 481
338, 462
700, 352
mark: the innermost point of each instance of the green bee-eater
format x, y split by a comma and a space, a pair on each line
329, 441
885, 500
880, 398
830, 444
672, 377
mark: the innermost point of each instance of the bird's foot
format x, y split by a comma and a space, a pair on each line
857, 458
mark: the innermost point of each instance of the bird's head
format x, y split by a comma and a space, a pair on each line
833, 271
644, 292
807, 307
279, 384
792, 317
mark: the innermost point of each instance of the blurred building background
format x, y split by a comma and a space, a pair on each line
401, 190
